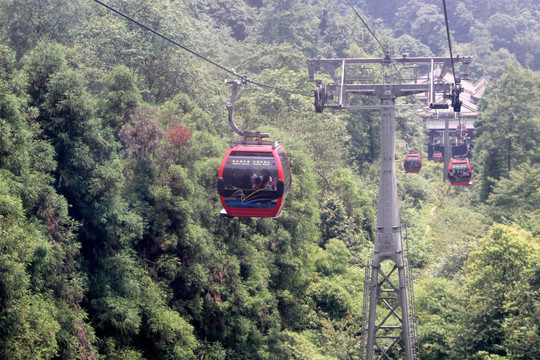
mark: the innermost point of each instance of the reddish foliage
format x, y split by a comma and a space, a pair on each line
179, 136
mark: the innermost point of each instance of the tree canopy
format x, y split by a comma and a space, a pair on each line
111, 139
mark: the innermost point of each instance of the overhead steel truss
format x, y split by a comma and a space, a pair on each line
359, 76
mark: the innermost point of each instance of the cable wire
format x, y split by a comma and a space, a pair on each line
374, 36
166, 38
277, 88
366, 25
195, 53
449, 42
383, 48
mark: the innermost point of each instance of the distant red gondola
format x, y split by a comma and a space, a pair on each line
412, 163
254, 180
437, 157
459, 172
461, 131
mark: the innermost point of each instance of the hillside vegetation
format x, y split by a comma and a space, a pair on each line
111, 139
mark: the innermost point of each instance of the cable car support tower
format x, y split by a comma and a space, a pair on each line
391, 321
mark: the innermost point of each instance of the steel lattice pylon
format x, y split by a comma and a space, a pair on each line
388, 318
389, 329
390, 326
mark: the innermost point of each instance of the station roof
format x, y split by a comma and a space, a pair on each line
471, 94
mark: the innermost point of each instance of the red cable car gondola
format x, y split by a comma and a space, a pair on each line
459, 172
254, 180
412, 163
461, 131
437, 157
255, 175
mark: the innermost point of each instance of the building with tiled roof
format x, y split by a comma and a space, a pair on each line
434, 119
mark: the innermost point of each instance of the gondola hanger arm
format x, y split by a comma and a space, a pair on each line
230, 108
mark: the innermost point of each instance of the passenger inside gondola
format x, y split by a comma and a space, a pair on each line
412, 163
459, 173
255, 181
247, 185
266, 181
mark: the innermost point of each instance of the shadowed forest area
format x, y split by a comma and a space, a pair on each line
111, 139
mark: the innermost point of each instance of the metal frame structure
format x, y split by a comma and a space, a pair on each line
391, 328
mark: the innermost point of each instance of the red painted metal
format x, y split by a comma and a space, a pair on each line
459, 172
461, 131
254, 180
412, 163
437, 157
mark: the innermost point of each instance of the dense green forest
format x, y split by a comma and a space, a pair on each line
111, 138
